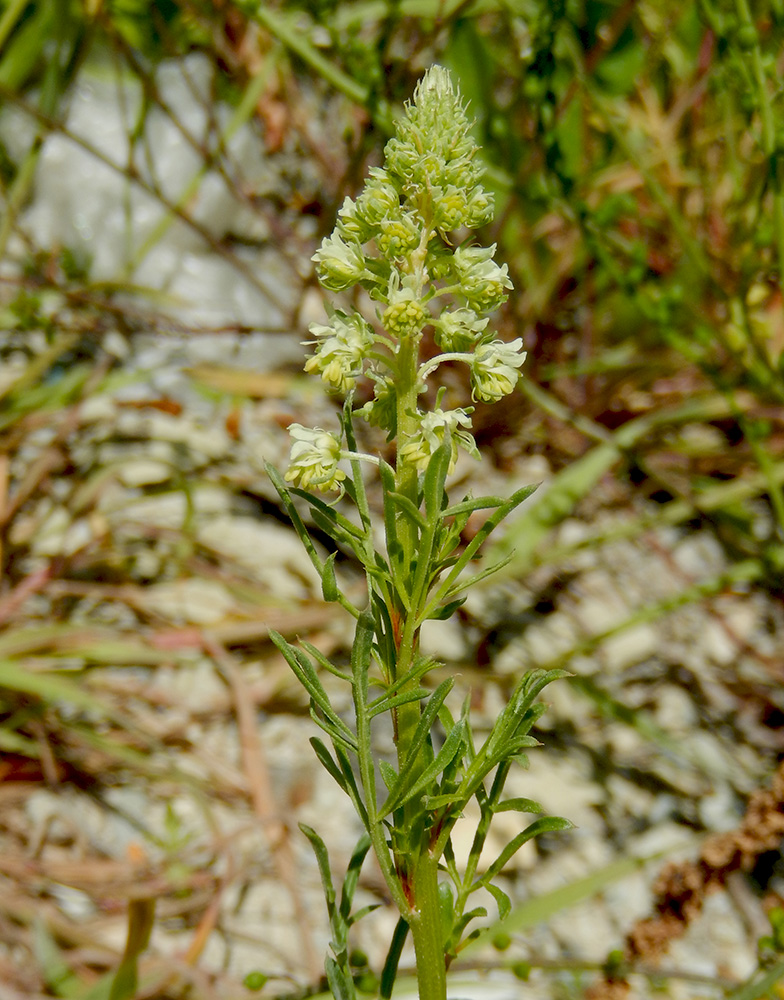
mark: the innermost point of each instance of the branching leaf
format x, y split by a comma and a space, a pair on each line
483, 574
331, 519
336, 735
447, 610
361, 654
285, 495
351, 786
477, 541
471, 504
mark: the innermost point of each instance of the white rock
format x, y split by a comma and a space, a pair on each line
192, 601
252, 543
675, 710
143, 472
632, 645
444, 640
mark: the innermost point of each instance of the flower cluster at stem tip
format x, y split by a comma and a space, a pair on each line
407, 241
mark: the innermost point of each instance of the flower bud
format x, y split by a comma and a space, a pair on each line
480, 208
315, 454
379, 200
381, 411
433, 428
339, 264
450, 207
481, 280
351, 227
494, 371
398, 237
406, 315
341, 350
459, 330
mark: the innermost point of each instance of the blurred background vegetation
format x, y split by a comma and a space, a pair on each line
636, 151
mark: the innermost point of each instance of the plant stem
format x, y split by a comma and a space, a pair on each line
418, 867
426, 931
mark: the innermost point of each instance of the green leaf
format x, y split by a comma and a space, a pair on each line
446, 905
341, 984
329, 584
408, 508
471, 504
447, 610
297, 523
331, 518
518, 805
388, 703
361, 653
141, 917
394, 548
351, 786
305, 673
322, 661
433, 802
322, 859
389, 972
471, 581
329, 764
475, 544
352, 877
502, 900
356, 485
547, 824
388, 773
465, 920
338, 736
435, 480
453, 745
421, 733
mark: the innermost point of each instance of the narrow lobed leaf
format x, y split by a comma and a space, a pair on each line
518, 805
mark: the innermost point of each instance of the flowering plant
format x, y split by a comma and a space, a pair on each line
407, 241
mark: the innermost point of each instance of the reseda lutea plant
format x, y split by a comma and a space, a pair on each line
403, 240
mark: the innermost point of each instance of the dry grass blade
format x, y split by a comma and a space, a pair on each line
263, 797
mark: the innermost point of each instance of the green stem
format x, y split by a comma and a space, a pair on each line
418, 867
426, 931
407, 536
